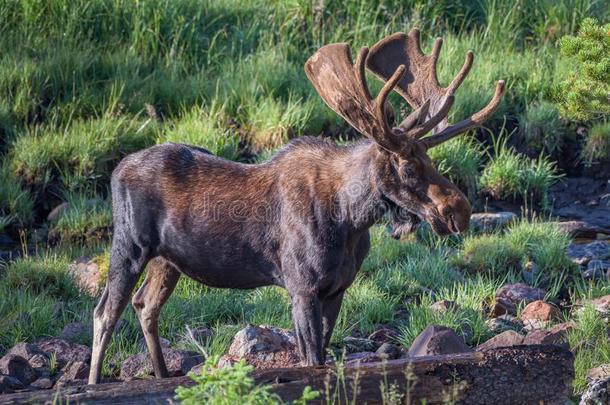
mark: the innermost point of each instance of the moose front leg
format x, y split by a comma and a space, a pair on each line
307, 318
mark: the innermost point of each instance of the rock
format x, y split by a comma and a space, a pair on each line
503, 323
489, 221
9, 384
37, 358
578, 229
504, 339
42, 383
75, 370
200, 333
77, 332
540, 310
263, 347
583, 253
552, 336
383, 335
164, 343
509, 296
596, 269
17, 367
58, 212
601, 305
435, 340
597, 393
598, 373
64, 351
388, 351
361, 357
355, 344
443, 306
179, 362
87, 275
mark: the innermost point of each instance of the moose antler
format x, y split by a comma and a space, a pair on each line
420, 86
342, 85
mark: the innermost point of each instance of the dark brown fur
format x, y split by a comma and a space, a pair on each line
299, 221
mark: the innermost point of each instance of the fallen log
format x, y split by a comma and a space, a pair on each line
511, 375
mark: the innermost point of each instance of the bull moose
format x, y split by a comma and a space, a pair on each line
301, 220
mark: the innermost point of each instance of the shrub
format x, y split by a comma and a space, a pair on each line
597, 144
231, 385
460, 160
87, 219
207, 128
584, 94
542, 128
498, 254
80, 155
509, 174
16, 203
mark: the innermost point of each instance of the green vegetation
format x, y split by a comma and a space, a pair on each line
584, 94
504, 253
231, 385
542, 128
597, 145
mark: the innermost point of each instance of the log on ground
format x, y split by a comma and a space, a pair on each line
511, 375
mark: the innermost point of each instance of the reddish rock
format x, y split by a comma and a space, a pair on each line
383, 335
443, 306
388, 351
263, 347
64, 351
598, 373
539, 311
17, 367
435, 340
360, 358
503, 323
178, 362
42, 383
37, 358
75, 370
510, 296
552, 336
77, 332
87, 275
504, 339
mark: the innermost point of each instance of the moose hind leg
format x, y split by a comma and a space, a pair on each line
161, 279
306, 315
127, 261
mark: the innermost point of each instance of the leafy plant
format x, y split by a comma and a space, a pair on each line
597, 144
585, 94
231, 385
542, 128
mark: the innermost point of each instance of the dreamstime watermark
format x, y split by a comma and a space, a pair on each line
355, 204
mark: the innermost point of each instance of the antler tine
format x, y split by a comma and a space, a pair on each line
342, 85
433, 121
474, 121
459, 78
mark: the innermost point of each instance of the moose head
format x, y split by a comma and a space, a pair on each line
405, 175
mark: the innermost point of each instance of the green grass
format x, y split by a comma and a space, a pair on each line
597, 144
88, 219
542, 128
510, 175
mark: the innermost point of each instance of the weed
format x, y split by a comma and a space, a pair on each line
597, 144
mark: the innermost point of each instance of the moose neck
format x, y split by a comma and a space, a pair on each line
360, 201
